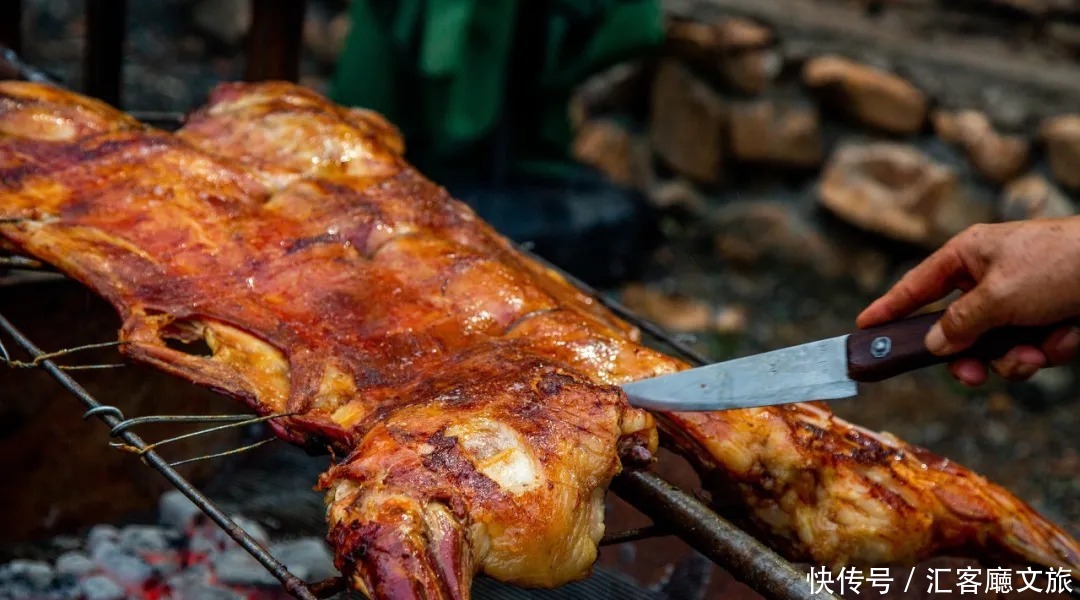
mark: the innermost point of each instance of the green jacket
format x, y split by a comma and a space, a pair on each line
446, 71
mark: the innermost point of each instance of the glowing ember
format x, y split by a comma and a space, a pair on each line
186, 557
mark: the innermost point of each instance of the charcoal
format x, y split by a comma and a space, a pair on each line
169, 565
205, 591
146, 538
99, 587
307, 558
209, 538
194, 574
125, 567
74, 563
65, 587
237, 567
32, 575
100, 534
194, 584
13, 592
35, 573
175, 510
204, 541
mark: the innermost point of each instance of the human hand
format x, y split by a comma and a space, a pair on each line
1016, 273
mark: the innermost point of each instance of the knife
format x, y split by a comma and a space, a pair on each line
822, 370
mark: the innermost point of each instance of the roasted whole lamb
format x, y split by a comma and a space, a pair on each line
468, 394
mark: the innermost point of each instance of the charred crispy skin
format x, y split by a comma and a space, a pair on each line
819, 488
469, 389
338, 299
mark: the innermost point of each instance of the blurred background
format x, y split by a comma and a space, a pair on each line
746, 173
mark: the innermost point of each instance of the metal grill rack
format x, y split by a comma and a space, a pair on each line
672, 509
675, 511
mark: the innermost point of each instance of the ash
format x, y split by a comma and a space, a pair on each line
184, 556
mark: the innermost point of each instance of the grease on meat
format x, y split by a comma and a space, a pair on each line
468, 391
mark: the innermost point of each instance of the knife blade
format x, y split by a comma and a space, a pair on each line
827, 369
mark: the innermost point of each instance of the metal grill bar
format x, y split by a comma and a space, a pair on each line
743, 556
677, 512
11, 13
274, 42
292, 584
106, 30
14, 67
722, 542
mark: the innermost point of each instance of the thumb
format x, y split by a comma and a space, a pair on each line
975, 313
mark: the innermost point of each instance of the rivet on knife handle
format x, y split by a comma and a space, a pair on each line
882, 352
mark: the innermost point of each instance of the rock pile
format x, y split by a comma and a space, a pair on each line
877, 147
183, 557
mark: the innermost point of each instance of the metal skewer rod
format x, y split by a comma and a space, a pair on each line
742, 555
292, 584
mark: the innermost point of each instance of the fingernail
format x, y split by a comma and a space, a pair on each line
935, 340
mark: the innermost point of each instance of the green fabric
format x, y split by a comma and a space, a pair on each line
439, 69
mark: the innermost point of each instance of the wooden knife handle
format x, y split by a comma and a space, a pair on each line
882, 352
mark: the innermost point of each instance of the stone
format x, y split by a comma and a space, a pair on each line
738, 49
674, 312
608, 147
610, 90
1062, 138
98, 587
752, 71
175, 510
687, 123
227, 21
870, 96
895, 190
696, 39
75, 563
677, 194
765, 132
1033, 197
997, 157
749, 235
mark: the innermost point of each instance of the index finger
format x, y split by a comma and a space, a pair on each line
932, 279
